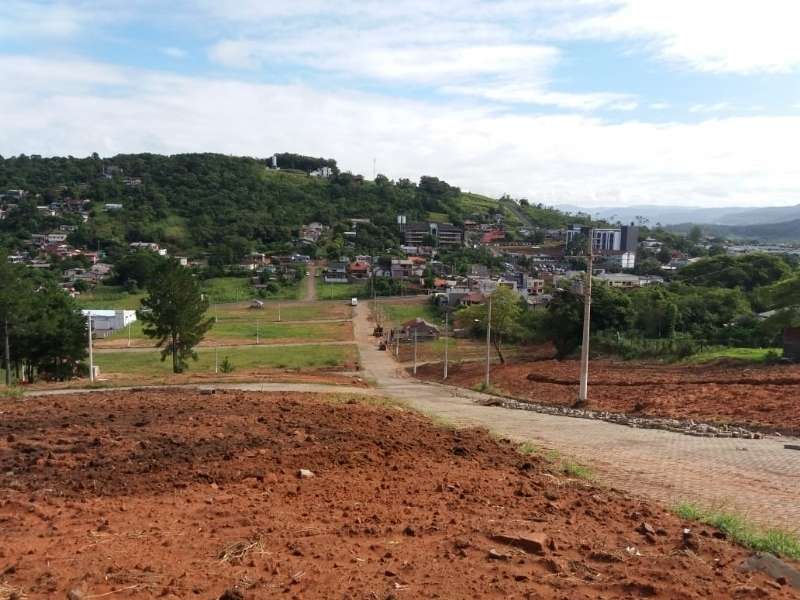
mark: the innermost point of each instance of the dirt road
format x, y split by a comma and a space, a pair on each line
758, 478
311, 284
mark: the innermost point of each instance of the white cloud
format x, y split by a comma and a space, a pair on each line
659, 105
711, 108
730, 36
67, 108
173, 52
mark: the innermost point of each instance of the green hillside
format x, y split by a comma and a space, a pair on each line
223, 206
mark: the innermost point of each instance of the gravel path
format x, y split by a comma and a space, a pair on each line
758, 478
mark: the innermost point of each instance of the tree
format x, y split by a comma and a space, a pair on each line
506, 313
174, 313
695, 234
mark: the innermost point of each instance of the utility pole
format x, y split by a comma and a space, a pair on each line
587, 317
488, 340
7, 355
397, 344
91, 353
446, 342
279, 312
258, 332
415, 351
216, 359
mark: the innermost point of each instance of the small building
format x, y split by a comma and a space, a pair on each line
358, 270
791, 343
109, 320
418, 328
336, 272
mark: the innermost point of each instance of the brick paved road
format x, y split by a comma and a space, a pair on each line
758, 478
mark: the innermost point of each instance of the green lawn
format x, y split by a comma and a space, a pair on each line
242, 359
110, 297
756, 355
396, 313
312, 311
221, 290
244, 331
341, 291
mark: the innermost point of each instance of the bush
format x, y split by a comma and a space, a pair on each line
629, 348
226, 366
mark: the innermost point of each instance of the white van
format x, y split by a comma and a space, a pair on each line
353, 301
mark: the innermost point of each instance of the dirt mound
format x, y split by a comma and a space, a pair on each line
757, 397
176, 494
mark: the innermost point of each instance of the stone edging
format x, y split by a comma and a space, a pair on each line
692, 428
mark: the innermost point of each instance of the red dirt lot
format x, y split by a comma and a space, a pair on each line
176, 494
764, 397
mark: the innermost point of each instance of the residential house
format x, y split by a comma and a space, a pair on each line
56, 238
322, 172
311, 232
358, 271
419, 329
493, 235
112, 206
336, 272
152, 246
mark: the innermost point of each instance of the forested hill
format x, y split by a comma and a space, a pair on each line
212, 203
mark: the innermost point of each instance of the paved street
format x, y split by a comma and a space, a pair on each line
756, 477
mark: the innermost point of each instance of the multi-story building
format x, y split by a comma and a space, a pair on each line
608, 240
442, 234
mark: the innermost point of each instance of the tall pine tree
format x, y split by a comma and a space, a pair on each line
174, 313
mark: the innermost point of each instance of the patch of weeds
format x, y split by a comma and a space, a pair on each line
13, 391
552, 455
738, 529
526, 449
487, 389
578, 471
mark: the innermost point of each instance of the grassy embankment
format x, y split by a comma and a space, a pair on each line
250, 359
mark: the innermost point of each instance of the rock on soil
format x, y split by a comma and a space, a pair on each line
174, 494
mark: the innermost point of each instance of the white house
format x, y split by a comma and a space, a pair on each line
110, 320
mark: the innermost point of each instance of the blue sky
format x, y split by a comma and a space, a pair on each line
590, 102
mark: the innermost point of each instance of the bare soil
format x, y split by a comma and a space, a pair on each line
762, 397
178, 494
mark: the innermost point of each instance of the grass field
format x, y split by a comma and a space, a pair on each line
340, 291
242, 331
110, 297
237, 289
756, 355
243, 359
313, 311
400, 312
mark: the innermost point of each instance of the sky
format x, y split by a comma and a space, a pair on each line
586, 102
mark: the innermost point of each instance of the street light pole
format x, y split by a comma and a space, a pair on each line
91, 353
488, 340
446, 340
7, 354
583, 390
415, 351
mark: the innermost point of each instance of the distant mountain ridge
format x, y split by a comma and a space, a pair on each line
676, 215
786, 231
